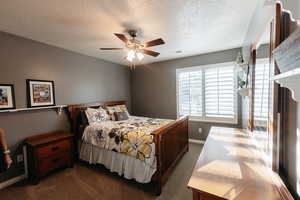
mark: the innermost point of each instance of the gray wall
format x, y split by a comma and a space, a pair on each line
78, 79
261, 18
154, 88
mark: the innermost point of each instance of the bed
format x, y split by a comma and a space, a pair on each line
160, 147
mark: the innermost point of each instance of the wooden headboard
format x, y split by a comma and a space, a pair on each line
74, 114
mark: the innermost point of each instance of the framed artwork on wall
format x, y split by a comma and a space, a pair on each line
7, 97
40, 93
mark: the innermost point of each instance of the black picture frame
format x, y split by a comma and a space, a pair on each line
12, 99
30, 98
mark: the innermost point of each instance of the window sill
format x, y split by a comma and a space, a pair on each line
191, 119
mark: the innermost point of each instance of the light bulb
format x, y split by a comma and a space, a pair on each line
129, 58
130, 55
140, 56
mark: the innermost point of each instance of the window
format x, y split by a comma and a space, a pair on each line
261, 93
208, 93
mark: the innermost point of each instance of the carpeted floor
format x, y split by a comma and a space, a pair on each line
85, 182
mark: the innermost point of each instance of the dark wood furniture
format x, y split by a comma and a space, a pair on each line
171, 140
47, 152
231, 166
288, 111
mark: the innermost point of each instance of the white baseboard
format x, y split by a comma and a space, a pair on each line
196, 141
12, 181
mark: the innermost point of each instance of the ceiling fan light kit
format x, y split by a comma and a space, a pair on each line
131, 55
136, 49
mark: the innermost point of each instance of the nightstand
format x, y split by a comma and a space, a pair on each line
47, 152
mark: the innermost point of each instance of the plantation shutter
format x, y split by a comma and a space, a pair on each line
190, 93
207, 93
219, 92
184, 93
261, 92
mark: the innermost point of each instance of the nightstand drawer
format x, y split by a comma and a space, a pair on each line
54, 162
54, 148
47, 152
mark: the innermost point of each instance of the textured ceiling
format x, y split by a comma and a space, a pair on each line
191, 26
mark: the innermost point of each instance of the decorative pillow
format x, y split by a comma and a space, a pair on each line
96, 115
111, 110
119, 116
123, 108
119, 108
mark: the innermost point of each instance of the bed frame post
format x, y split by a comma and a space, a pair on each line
158, 181
171, 144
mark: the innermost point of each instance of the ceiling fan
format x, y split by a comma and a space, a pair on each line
135, 48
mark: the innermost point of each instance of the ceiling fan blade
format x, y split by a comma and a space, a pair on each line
111, 48
121, 37
154, 43
150, 53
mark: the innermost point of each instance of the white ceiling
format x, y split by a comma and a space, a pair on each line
192, 26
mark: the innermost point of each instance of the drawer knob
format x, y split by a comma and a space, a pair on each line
55, 148
55, 160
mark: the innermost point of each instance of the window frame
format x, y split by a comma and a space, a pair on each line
203, 118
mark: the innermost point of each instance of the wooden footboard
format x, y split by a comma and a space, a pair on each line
171, 144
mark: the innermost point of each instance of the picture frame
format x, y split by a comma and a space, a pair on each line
40, 93
7, 97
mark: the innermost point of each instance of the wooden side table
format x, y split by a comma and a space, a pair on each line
47, 152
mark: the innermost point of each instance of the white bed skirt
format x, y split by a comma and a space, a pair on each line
130, 167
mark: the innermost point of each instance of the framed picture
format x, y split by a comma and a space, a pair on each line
40, 93
7, 97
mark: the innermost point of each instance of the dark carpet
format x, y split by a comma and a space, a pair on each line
86, 182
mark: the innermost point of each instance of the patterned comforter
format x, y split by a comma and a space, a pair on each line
131, 137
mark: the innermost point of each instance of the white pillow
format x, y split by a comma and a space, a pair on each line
96, 115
